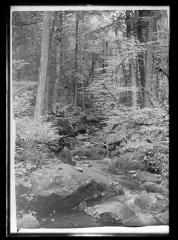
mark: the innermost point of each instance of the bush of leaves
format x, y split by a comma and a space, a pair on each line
33, 140
142, 131
23, 98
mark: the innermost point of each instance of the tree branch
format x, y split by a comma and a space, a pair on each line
110, 94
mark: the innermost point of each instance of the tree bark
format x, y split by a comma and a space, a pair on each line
128, 23
39, 108
59, 56
76, 60
148, 63
83, 87
134, 86
51, 73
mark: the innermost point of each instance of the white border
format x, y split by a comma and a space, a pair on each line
77, 231
103, 230
85, 7
13, 226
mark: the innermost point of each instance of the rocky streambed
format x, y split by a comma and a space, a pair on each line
86, 195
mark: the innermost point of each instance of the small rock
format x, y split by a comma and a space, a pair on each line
154, 187
44, 219
79, 169
148, 177
87, 165
132, 171
76, 158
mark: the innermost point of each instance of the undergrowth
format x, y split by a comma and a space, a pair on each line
142, 131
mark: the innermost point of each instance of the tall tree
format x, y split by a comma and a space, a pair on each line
132, 65
59, 55
76, 58
148, 61
39, 107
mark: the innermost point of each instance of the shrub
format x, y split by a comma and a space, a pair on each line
23, 96
33, 140
142, 131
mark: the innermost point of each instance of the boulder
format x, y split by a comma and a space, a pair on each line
90, 151
154, 187
64, 126
126, 162
109, 185
146, 206
111, 212
27, 221
142, 219
163, 217
61, 186
144, 176
148, 202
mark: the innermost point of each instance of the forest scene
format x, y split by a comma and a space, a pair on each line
90, 93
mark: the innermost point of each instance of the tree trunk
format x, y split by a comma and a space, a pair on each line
59, 56
51, 73
128, 32
134, 86
92, 66
140, 29
34, 52
83, 87
128, 23
148, 63
76, 60
39, 108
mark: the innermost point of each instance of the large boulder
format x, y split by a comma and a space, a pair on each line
146, 207
61, 186
111, 212
135, 211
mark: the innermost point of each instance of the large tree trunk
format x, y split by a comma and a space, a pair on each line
76, 60
51, 72
140, 29
128, 23
59, 56
148, 63
39, 108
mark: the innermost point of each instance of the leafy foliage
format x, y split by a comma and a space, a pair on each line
142, 131
23, 98
33, 140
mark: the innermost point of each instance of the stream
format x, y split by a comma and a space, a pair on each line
78, 218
